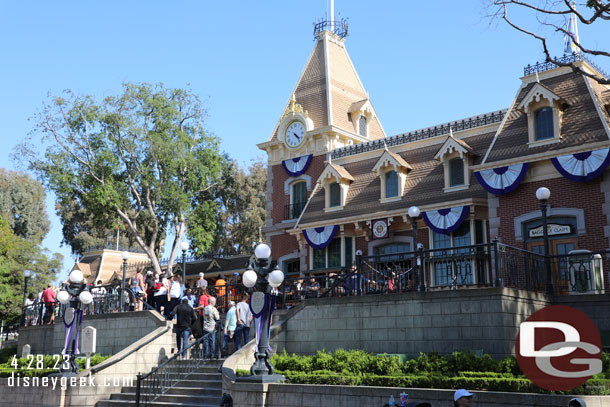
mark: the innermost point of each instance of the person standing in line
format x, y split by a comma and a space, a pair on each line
161, 294
138, 289
99, 297
48, 296
174, 293
29, 309
150, 286
210, 316
230, 324
220, 285
186, 317
462, 398
202, 282
244, 318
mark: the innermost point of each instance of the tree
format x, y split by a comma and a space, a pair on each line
16, 255
141, 157
242, 199
22, 204
553, 16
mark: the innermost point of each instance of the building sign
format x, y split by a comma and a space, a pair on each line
380, 229
553, 230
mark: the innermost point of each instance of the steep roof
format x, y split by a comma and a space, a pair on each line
329, 86
581, 122
424, 185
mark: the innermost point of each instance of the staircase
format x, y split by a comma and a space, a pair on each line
202, 388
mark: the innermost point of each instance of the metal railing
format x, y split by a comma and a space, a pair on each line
151, 386
337, 27
106, 300
440, 130
565, 59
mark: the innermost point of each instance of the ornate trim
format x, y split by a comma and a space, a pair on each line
502, 180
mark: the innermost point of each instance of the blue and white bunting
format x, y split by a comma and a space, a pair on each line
502, 180
297, 166
447, 220
583, 167
319, 238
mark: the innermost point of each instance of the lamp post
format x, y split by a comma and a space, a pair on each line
263, 281
26, 276
543, 194
76, 293
125, 256
184, 246
414, 213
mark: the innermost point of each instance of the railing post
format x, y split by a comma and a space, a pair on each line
495, 273
358, 272
138, 384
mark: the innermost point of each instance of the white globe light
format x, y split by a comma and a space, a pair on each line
125, 255
76, 276
543, 193
413, 212
184, 246
63, 297
85, 297
27, 273
249, 278
262, 251
275, 278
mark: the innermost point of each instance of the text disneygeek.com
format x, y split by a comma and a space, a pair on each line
15, 380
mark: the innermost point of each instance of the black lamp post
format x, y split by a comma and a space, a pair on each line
262, 280
26, 276
76, 292
543, 194
419, 271
125, 256
184, 246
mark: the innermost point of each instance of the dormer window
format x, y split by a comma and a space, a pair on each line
363, 126
335, 180
456, 172
391, 184
456, 156
335, 195
543, 123
544, 110
361, 113
392, 171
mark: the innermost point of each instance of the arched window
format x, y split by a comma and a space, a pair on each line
391, 184
543, 123
298, 199
362, 127
335, 194
456, 172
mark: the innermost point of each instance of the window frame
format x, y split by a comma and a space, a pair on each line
396, 185
548, 117
451, 171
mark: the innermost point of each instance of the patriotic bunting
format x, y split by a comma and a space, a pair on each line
447, 220
502, 180
583, 167
297, 166
319, 238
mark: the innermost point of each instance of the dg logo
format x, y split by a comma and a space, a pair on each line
559, 348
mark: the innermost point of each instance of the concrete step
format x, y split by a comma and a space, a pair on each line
184, 390
207, 382
119, 403
177, 399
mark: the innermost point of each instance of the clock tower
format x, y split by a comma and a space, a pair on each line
328, 108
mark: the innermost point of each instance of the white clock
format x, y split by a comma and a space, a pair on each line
295, 134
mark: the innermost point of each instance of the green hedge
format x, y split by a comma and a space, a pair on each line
459, 370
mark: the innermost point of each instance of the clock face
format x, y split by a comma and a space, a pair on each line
295, 134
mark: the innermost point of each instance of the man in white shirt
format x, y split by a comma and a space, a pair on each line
244, 317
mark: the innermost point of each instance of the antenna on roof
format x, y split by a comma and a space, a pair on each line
332, 15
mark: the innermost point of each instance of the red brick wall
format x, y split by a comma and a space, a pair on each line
564, 194
282, 245
280, 199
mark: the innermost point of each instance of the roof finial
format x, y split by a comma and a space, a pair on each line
385, 145
450, 132
332, 15
537, 77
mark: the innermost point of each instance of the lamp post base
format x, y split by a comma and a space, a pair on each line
267, 378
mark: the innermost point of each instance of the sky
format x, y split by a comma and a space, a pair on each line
423, 63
